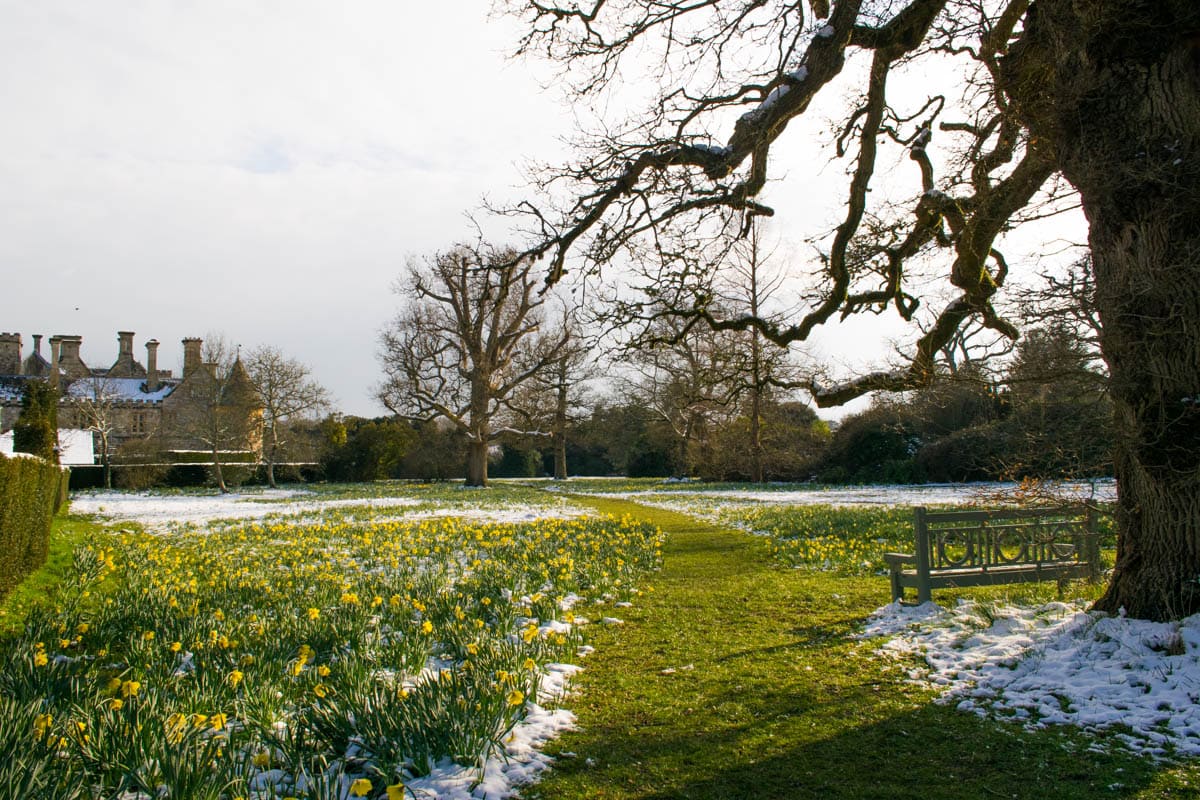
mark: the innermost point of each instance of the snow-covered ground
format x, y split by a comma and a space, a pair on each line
1056, 665
160, 512
888, 495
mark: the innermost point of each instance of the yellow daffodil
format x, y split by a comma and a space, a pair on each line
41, 724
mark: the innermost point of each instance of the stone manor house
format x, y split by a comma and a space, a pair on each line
141, 401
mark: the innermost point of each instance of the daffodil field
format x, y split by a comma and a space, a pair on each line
849, 541
323, 655
844, 530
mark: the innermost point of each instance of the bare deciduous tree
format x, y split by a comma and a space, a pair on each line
554, 398
689, 377
217, 406
1105, 95
288, 392
93, 403
751, 283
466, 340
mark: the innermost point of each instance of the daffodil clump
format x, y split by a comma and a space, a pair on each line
284, 659
843, 540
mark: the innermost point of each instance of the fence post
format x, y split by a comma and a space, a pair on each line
924, 589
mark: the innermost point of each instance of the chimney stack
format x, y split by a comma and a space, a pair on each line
152, 384
191, 356
72, 364
10, 354
125, 366
34, 365
55, 357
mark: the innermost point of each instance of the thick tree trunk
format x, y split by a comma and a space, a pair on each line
480, 431
560, 456
1114, 89
477, 463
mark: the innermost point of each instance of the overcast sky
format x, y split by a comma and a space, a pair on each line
260, 169
264, 169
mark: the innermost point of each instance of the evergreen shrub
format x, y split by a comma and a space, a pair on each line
32, 490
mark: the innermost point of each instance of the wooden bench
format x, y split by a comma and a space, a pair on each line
981, 548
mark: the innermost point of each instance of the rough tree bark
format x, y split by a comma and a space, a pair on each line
1114, 88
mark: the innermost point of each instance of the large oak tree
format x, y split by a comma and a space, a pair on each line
467, 338
1103, 94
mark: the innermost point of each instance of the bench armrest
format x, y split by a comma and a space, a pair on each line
898, 560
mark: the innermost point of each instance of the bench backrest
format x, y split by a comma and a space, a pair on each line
984, 539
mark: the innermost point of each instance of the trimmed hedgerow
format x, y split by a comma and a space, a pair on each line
31, 491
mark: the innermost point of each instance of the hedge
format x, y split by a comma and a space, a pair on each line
31, 491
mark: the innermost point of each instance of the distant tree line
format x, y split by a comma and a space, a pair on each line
1043, 411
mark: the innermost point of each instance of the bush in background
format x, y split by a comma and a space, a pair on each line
36, 430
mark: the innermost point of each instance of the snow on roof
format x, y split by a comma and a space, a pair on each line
11, 389
126, 390
122, 389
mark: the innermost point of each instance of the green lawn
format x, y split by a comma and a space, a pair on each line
736, 678
771, 699
69, 532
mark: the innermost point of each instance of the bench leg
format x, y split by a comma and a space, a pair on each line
924, 589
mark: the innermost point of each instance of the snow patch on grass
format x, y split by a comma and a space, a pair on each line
1056, 665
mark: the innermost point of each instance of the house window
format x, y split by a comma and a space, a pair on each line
139, 425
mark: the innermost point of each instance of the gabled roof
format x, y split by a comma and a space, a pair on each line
36, 364
239, 388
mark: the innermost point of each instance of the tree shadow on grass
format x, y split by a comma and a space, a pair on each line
932, 752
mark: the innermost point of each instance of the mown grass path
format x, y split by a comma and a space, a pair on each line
770, 698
